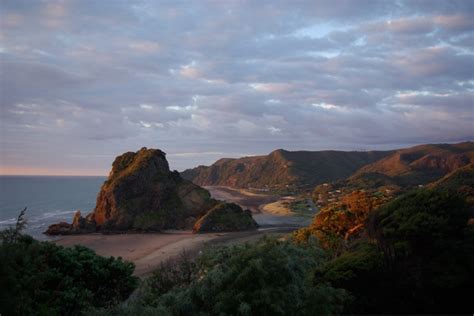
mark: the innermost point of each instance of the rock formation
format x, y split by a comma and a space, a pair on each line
225, 217
142, 194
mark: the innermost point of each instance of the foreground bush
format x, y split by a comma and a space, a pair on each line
419, 258
428, 250
41, 278
269, 277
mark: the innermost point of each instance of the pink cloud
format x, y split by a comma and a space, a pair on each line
454, 22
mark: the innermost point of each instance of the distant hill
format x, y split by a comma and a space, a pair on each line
281, 168
460, 180
462, 177
413, 166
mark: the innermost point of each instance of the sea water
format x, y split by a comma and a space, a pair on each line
48, 199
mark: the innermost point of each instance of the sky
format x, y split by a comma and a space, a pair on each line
84, 81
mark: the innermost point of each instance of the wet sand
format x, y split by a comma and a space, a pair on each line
246, 199
148, 251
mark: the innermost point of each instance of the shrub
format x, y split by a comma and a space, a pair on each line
269, 277
41, 278
420, 258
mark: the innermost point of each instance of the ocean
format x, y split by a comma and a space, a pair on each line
48, 199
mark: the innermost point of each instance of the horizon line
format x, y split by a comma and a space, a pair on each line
51, 175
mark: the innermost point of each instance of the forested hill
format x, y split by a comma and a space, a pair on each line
402, 167
281, 168
413, 166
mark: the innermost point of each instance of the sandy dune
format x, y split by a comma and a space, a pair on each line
277, 208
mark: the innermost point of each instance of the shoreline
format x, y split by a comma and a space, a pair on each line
148, 250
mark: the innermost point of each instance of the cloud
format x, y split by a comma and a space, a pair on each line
100, 77
271, 87
146, 47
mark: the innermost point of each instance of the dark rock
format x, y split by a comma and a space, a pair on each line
225, 217
61, 228
142, 194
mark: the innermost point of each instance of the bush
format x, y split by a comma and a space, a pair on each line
359, 271
269, 277
41, 278
420, 258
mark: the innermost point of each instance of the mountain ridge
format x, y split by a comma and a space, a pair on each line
420, 164
282, 168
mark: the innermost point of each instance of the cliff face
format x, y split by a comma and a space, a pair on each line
281, 168
142, 194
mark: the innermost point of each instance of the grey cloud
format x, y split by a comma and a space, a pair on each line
97, 78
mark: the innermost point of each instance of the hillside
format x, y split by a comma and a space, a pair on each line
463, 176
281, 168
413, 166
460, 180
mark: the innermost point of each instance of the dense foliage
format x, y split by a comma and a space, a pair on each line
419, 258
41, 278
342, 220
269, 277
424, 237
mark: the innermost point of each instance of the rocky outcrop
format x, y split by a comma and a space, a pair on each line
61, 228
142, 194
79, 225
225, 217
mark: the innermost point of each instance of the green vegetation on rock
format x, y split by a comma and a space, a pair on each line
225, 217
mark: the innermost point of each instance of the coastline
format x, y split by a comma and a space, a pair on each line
148, 250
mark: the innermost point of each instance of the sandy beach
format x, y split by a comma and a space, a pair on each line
268, 210
244, 198
148, 251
